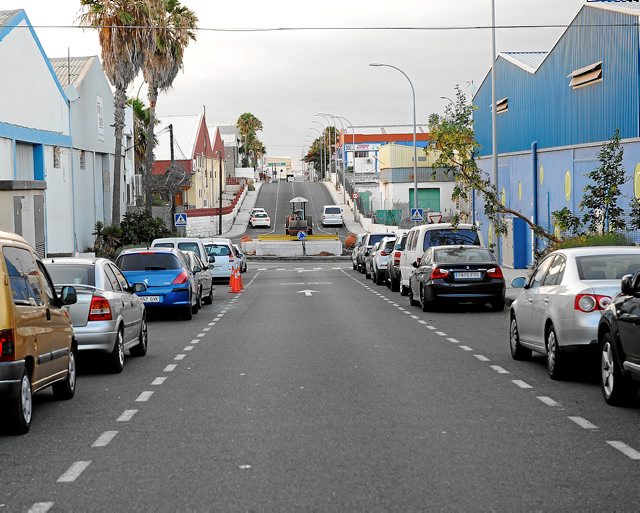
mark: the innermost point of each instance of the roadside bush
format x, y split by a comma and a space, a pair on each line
581, 241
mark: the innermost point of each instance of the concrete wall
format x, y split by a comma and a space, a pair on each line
291, 248
59, 203
207, 226
6, 159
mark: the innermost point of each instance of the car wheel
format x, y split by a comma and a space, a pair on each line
616, 389
379, 278
116, 358
187, 313
20, 408
354, 265
412, 301
424, 304
395, 285
555, 360
497, 306
209, 299
196, 308
404, 291
518, 352
66, 389
367, 274
140, 349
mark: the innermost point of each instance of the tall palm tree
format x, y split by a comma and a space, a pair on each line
174, 27
248, 125
124, 31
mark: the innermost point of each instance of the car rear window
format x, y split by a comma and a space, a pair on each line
376, 238
148, 262
332, 210
465, 255
607, 267
389, 244
72, 274
218, 250
260, 214
449, 237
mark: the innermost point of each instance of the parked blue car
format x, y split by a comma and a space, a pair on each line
167, 275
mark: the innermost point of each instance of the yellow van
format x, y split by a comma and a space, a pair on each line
37, 348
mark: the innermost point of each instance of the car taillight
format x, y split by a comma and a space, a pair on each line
590, 302
7, 346
438, 274
384, 253
495, 272
396, 258
181, 278
99, 309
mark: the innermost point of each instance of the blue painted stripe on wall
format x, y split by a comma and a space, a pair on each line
11, 24
31, 135
38, 162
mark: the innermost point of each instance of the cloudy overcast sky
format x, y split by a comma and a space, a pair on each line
284, 78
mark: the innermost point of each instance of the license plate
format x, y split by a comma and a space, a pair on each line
467, 276
151, 299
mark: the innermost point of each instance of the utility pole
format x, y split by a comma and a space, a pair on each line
220, 185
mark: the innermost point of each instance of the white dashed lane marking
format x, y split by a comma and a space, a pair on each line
415, 317
74, 471
201, 335
126, 416
180, 357
104, 439
171, 367
466, 348
583, 423
195, 341
40, 507
188, 348
144, 396
630, 452
481, 357
453, 340
159, 381
547, 400
422, 322
206, 329
431, 327
441, 333
521, 384
499, 369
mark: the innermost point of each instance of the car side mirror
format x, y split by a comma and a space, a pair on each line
68, 295
626, 285
415, 264
212, 259
519, 283
366, 253
197, 269
139, 287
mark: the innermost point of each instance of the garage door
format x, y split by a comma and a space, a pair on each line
427, 199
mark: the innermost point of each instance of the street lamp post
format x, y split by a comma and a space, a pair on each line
415, 151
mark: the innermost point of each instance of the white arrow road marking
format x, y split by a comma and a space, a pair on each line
306, 292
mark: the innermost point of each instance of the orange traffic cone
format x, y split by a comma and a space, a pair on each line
234, 283
239, 275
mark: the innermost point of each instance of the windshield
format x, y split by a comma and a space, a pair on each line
449, 237
72, 274
217, 250
463, 254
377, 237
147, 262
607, 267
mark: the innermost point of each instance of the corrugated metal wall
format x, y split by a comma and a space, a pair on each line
543, 107
397, 156
406, 175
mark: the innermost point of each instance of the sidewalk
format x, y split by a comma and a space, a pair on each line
242, 219
350, 224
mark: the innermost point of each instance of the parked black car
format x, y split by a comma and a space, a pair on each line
457, 273
619, 339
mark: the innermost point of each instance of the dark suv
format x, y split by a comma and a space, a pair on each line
619, 340
392, 276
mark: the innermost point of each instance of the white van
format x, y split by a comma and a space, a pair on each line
422, 237
331, 215
185, 244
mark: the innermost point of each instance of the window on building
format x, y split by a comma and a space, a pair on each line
56, 156
502, 106
362, 154
586, 76
83, 159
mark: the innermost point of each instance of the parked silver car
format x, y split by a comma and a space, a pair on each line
562, 302
380, 259
242, 258
203, 277
108, 316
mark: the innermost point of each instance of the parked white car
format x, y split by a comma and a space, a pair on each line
225, 260
561, 304
261, 219
380, 259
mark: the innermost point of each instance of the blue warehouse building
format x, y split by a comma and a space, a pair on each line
554, 111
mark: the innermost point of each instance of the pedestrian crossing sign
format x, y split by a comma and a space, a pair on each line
417, 214
180, 219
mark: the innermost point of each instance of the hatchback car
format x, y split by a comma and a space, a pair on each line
393, 275
457, 273
619, 342
225, 260
37, 346
203, 277
256, 210
380, 259
560, 307
108, 317
363, 250
166, 273
261, 219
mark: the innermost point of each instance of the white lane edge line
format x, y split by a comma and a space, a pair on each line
188, 348
441, 333
499, 370
170, 368
625, 449
547, 400
74, 471
453, 340
583, 423
40, 507
159, 380
481, 357
104, 439
520, 383
466, 348
180, 357
144, 396
206, 329
126, 415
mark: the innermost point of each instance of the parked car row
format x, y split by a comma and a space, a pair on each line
583, 301
52, 309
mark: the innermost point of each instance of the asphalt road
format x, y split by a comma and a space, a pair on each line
275, 197
316, 390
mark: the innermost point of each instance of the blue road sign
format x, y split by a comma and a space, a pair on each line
302, 235
180, 219
417, 214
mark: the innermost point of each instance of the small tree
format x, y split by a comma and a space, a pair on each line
600, 198
635, 213
454, 140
